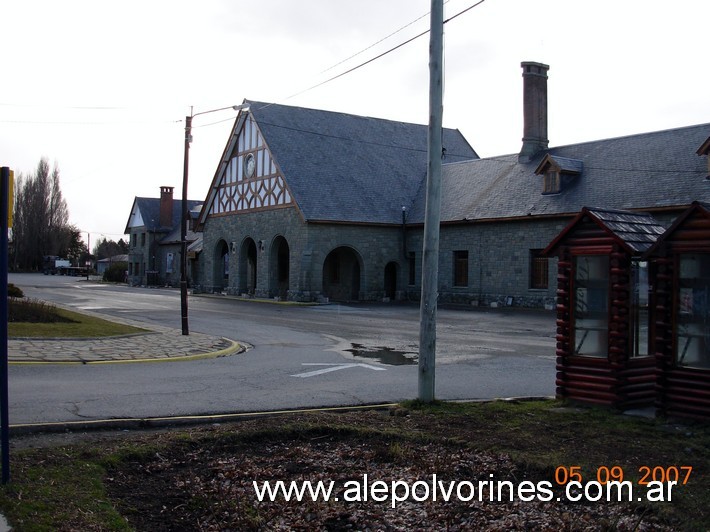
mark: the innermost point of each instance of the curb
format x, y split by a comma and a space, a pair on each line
174, 421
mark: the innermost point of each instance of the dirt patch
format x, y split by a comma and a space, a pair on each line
202, 478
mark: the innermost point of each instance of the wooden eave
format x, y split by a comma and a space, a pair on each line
705, 148
553, 162
702, 209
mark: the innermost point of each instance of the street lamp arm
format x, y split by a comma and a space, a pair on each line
234, 107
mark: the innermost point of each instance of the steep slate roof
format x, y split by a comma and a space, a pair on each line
348, 168
150, 212
646, 171
637, 231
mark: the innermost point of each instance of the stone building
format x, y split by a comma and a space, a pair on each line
154, 239
308, 205
312, 205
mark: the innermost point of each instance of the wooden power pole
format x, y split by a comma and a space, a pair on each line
430, 266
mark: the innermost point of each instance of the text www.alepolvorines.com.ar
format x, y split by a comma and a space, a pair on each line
397, 491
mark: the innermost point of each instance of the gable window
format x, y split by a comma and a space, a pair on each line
551, 183
557, 172
538, 270
591, 305
461, 268
693, 311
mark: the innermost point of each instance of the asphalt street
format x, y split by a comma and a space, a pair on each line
298, 356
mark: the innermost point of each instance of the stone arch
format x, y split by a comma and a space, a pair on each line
221, 266
248, 258
279, 267
390, 281
342, 271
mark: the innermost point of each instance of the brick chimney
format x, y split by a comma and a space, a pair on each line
166, 206
534, 110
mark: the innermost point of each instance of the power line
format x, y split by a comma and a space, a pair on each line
383, 53
378, 42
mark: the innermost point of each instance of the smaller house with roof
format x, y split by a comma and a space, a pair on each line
104, 264
154, 240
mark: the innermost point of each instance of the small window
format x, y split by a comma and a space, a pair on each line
538, 270
591, 305
461, 268
134, 237
551, 183
142, 239
693, 311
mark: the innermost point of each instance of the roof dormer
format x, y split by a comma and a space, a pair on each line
557, 172
705, 150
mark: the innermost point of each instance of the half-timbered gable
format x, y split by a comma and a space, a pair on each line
249, 179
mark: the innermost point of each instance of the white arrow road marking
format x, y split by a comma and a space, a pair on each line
333, 367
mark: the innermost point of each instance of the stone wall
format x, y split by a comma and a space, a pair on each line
498, 259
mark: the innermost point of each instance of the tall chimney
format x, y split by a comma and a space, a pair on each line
166, 206
534, 110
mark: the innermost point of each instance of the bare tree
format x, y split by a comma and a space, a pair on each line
41, 218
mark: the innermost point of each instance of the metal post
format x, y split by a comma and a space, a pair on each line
4, 410
430, 269
183, 230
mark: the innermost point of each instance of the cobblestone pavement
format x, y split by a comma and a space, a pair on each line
158, 343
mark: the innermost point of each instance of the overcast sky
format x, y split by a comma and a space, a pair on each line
102, 88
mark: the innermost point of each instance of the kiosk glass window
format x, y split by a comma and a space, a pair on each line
693, 311
591, 305
640, 309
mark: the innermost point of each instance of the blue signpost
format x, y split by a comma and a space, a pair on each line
5, 195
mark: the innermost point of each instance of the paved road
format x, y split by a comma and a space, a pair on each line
300, 357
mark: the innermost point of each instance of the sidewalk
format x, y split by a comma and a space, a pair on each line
157, 344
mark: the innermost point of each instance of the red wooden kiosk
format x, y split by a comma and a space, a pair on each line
682, 315
604, 351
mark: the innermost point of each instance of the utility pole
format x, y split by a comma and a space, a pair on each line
430, 269
183, 227
5, 209
184, 215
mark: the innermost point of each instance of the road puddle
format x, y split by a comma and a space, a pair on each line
384, 355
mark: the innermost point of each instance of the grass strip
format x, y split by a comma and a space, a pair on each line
78, 326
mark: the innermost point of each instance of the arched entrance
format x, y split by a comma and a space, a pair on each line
341, 275
247, 266
391, 280
280, 268
221, 266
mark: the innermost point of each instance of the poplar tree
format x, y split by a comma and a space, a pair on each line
41, 215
